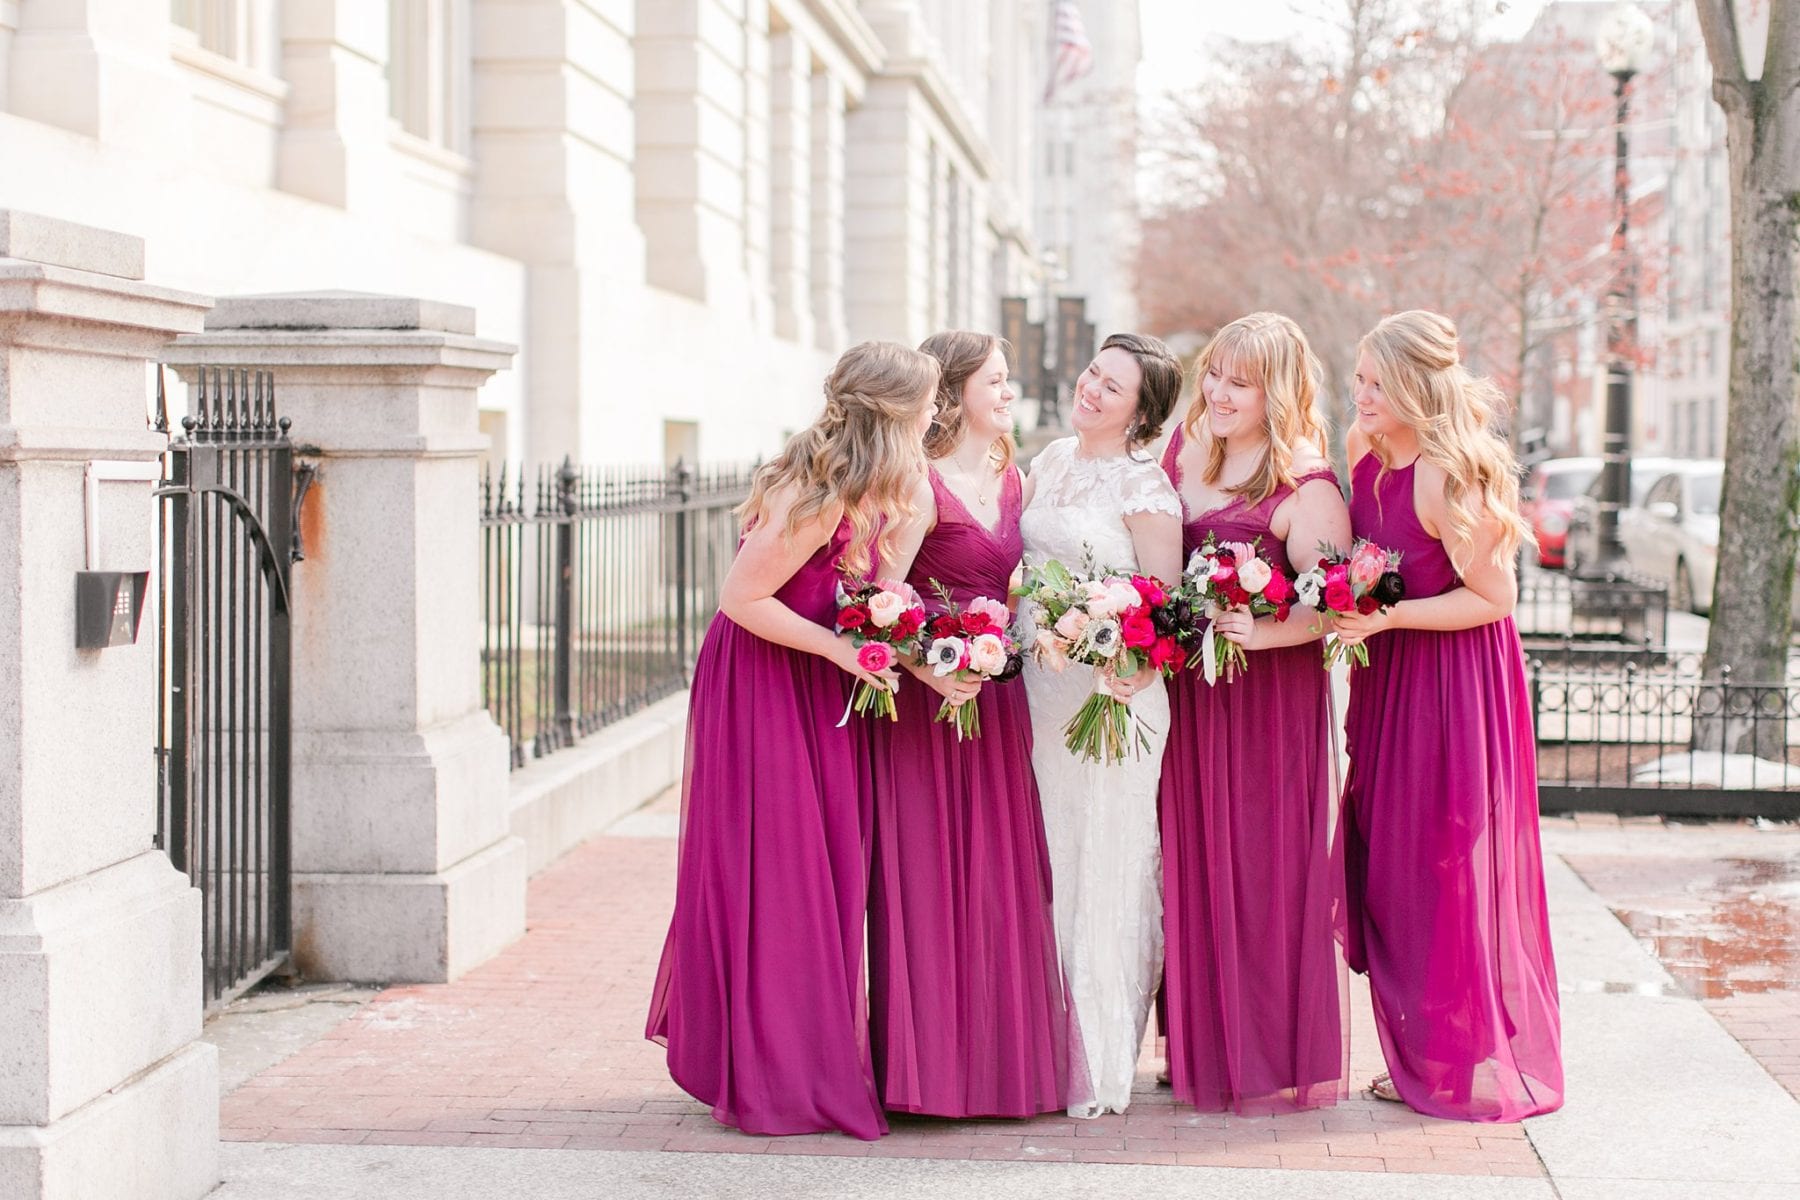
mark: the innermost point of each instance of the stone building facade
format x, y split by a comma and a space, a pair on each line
679, 210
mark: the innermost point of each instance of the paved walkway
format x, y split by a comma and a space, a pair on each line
530, 1075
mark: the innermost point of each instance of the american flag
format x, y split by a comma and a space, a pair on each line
1074, 53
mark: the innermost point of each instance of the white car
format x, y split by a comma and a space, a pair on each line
1674, 534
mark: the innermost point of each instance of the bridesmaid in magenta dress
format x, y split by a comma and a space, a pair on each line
759, 997
967, 1010
1252, 982
1440, 822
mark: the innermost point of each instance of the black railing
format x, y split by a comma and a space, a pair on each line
226, 540
596, 586
1644, 731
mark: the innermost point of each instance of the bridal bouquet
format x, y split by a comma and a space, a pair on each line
1220, 577
1366, 580
1100, 619
883, 620
972, 643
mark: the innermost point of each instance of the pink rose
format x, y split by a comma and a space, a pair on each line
885, 608
987, 654
875, 656
993, 610
1071, 624
1338, 596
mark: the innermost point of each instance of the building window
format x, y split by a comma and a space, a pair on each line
221, 26
427, 65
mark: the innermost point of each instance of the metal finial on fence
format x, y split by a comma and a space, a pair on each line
567, 479
161, 421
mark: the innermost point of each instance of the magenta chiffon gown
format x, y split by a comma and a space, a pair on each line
1253, 986
759, 997
967, 1010
1445, 880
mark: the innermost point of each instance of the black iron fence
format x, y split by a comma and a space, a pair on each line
1643, 730
596, 585
227, 536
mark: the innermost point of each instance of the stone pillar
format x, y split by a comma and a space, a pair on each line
553, 121
790, 144
97, 67
104, 1089
828, 104
891, 201
404, 866
334, 142
691, 147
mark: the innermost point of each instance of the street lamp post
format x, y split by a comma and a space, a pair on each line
1624, 44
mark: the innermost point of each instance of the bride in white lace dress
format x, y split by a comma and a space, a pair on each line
1099, 491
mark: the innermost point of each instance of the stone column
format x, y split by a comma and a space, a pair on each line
828, 104
790, 138
97, 67
692, 131
404, 866
334, 144
891, 201
104, 1089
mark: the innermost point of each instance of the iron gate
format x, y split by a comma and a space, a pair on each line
226, 539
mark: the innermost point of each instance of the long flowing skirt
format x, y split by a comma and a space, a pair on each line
1445, 883
759, 997
967, 1012
1100, 822
1252, 981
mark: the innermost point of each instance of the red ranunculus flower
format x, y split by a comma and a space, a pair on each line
1282, 610
1178, 658
1338, 597
1150, 589
945, 626
852, 616
1367, 605
909, 623
1163, 651
1279, 589
1138, 629
976, 623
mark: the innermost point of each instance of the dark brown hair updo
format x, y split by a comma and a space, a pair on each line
1161, 384
961, 354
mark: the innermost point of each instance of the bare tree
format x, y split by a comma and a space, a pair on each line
1757, 532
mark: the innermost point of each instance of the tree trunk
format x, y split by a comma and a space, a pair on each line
1754, 584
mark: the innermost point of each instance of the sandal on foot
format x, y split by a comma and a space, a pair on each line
1382, 1088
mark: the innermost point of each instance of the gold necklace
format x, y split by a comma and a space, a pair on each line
981, 495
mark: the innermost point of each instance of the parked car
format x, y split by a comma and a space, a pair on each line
1581, 544
1550, 492
1673, 534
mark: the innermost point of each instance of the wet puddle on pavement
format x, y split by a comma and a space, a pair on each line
1721, 926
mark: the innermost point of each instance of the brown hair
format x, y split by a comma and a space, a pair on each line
1273, 353
961, 354
1452, 411
861, 452
1160, 387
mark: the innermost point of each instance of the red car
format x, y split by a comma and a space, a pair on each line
1549, 497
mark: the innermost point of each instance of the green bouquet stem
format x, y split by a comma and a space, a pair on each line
966, 717
1335, 649
1105, 730
878, 701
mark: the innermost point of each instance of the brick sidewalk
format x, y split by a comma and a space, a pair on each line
543, 1047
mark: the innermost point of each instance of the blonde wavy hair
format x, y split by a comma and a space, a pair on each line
1419, 362
1272, 352
862, 452
961, 354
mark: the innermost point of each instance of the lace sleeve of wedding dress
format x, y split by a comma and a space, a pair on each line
1145, 489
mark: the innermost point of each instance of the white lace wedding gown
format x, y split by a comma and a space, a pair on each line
1100, 820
